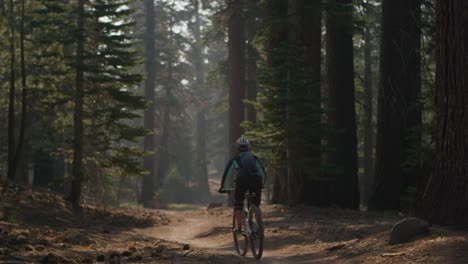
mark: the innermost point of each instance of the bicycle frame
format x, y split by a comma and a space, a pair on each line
246, 210
250, 235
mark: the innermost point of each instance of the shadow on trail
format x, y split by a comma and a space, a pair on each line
312, 258
220, 230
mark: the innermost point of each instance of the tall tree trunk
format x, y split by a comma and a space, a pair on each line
43, 171
201, 162
367, 116
163, 153
446, 195
399, 114
236, 50
11, 103
303, 105
68, 50
342, 116
312, 43
163, 159
19, 150
200, 152
294, 180
276, 12
251, 66
119, 193
78, 173
148, 188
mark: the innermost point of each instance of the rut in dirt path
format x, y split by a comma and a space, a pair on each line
197, 228
210, 231
299, 235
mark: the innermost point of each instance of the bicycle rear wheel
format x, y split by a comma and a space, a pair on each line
257, 236
241, 243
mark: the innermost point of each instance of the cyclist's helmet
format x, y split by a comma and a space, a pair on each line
242, 144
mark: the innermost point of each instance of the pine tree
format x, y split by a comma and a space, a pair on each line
200, 153
341, 113
399, 114
251, 59
269, 133
19, 158
78, 136
149, 144
446, 195
107, 63
236, 57
50, 50
303, 100
367, 27
11, 102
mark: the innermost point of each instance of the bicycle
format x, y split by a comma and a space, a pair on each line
252, 231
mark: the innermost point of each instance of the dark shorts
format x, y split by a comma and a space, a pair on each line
244, 183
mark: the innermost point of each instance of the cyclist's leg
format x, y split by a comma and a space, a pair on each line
238, 202
256, 205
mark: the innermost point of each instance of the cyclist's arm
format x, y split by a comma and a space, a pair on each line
226, 172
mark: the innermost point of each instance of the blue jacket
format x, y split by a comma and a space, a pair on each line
228, 182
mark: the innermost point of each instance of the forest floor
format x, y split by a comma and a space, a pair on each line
39, 226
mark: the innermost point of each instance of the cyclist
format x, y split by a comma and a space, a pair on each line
243, 172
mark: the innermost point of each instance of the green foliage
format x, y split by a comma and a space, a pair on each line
289, 104
112, 103
113, 106
12, 219
176, 189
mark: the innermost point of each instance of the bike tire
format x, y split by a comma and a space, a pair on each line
256, 239
241, 243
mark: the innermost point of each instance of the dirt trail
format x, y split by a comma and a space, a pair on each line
209, 230
312, 235
37, 226
193, 228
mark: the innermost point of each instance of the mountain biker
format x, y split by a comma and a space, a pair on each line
250, 176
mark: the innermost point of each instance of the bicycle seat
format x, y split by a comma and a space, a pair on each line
249, 195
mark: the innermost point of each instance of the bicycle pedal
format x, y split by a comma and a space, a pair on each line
237, 231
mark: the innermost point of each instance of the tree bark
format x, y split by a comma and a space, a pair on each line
295, 172
446, 195
163, 159
399, 114
163, 153
236, 57
11, 103
78, 173
148, 183
43, 169
303, 104
20, 147
368, 116
312, 44
122, 179
276, 12
342, 116
201, 162
252, 56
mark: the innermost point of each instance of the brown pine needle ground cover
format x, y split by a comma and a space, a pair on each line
39, 226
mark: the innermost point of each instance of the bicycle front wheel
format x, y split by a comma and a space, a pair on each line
257, 236
241, 243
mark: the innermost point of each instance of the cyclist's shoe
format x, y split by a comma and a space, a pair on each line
238, 231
